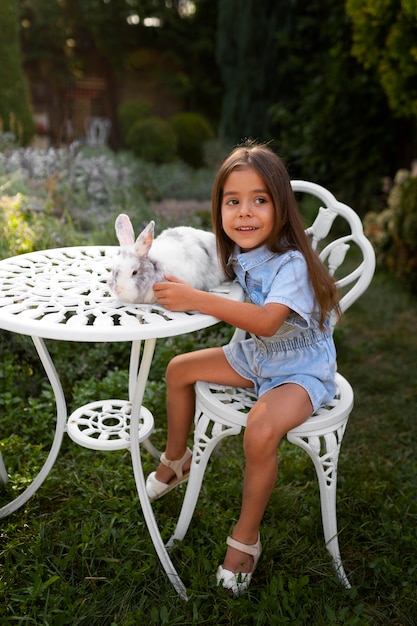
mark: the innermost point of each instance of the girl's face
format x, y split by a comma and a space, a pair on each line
247, 210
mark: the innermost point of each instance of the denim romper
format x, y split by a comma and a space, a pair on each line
299, 352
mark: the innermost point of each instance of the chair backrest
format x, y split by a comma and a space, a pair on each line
337, 235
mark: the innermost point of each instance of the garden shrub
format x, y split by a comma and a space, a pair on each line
193, 131
130, 112
153, 139
16, 234
25, 227
393, 231
7, 141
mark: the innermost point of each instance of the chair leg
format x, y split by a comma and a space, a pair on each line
207, 435
324, 452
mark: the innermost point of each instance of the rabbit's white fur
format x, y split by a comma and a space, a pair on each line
188, 253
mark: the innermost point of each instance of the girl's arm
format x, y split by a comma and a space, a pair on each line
176, 295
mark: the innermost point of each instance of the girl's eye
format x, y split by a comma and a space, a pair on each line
232, 202
260, 200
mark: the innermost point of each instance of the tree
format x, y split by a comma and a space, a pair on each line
15, 111
384, 38
188, 43
246, 55
289, 75
334, 123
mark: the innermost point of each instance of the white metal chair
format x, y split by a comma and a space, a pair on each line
338, 237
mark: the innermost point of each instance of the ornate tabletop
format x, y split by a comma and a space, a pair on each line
63, 294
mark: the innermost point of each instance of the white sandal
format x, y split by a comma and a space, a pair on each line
237, 583
156, 489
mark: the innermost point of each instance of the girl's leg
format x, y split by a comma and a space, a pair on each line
182, 373
273, 415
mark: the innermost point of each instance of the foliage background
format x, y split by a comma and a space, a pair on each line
335, 95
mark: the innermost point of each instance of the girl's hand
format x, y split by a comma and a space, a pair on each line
176, 295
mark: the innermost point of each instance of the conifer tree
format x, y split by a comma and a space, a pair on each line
245, 54
15, 110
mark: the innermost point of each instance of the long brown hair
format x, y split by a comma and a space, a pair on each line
288, 231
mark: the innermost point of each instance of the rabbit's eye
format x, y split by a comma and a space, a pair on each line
134, 272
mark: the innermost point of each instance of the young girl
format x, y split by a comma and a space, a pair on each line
289, 358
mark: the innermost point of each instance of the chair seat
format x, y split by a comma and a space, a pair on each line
231, 405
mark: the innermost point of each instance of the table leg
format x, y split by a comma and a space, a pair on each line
160, 548
61, 419
133, 377
3, 472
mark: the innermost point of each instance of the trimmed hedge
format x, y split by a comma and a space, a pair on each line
129, 113
193, 131
153, 139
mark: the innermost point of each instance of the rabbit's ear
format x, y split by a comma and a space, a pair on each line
144, 241
124, 230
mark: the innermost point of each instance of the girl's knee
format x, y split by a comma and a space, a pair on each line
174, 368
263, 434
179, 371
259, 440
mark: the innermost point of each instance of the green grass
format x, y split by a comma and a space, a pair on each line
79, 552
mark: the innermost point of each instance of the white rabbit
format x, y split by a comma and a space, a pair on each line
188, 253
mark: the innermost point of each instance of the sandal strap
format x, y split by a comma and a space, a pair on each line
252, 550
177, 464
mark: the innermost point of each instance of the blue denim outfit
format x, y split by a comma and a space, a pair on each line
299, 352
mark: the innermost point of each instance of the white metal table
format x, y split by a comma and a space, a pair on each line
62, 294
